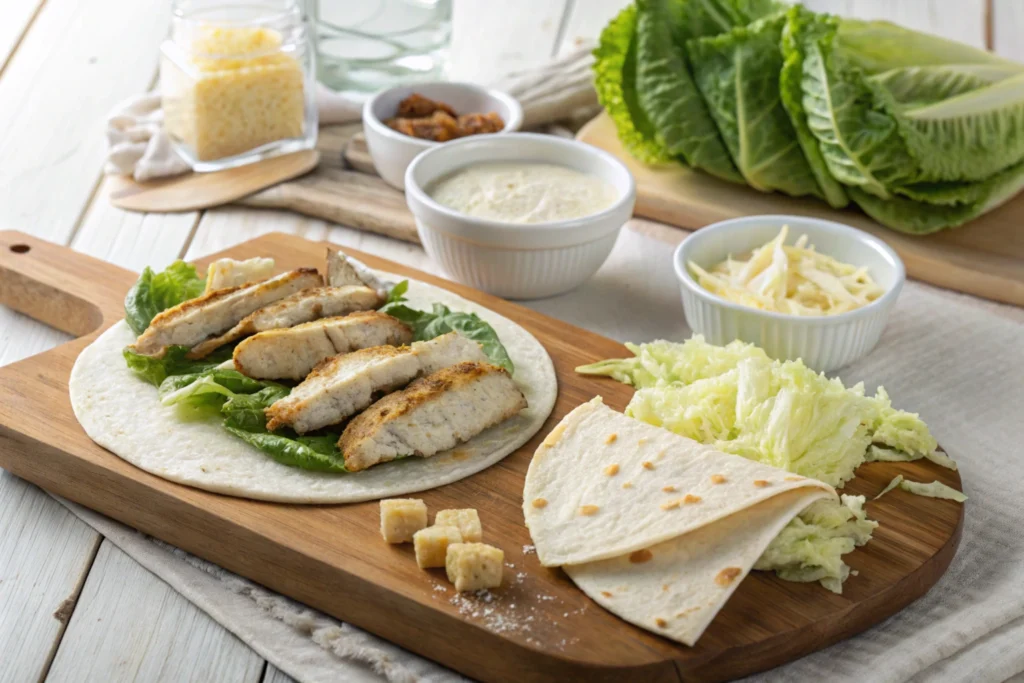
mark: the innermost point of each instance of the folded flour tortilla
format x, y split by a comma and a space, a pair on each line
655, 527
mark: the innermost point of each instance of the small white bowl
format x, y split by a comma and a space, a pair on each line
392, 151
823, 342
513, 260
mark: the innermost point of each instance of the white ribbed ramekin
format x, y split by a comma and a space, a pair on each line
512, 260
823, 342
392, 152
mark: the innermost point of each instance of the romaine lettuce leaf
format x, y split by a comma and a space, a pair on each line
615, 82
798, 21
811, 547
738, 74
172, 363
156, 292
442, 320
668, 95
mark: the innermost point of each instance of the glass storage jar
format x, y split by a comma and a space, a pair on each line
237, 81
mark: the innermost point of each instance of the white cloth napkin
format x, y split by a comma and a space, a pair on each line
138, 145
957, 360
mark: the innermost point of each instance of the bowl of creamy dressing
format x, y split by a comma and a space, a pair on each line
519, 215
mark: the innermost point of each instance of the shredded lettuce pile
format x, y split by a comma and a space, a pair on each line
811, 547
783, 414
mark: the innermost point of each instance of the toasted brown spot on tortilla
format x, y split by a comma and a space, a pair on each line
611, 470
688, 610
668, 489
661, 622
641, 556
690, 499
628, 485
611, 438
664, 586
671, 505
539, 502
588, 509
761, 483
554, 436
794, 478
727, 576
718, 479
647, 465
606, 594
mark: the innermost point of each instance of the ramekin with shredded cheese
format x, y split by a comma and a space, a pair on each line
794, 279
826, 304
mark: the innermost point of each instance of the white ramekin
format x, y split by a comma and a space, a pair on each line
392, 151
823, 342
517, 261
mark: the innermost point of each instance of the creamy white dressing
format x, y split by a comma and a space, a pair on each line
523, 192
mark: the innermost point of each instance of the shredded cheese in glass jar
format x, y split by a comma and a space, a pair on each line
795, 279
236, 82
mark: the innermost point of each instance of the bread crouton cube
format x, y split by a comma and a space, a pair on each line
467, 520
400, 518
432, 543
472, 566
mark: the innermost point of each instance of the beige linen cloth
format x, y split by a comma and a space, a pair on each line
957, 360
138, 145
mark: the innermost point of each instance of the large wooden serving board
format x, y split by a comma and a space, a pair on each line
537, 626
984, 257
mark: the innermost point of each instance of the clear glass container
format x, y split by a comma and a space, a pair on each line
369, 45
238, 81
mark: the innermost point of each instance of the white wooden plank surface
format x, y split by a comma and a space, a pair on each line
45, 553
962, 20
16, 17
491, 38
132, 240
131, 626
275, 675
79, 59
1008, 28
585, 19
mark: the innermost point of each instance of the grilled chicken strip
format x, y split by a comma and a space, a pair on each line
342, 271
301, 307
291, 353
193, 321
342, 386
431, 415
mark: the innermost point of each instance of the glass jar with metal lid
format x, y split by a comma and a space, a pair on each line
237, 81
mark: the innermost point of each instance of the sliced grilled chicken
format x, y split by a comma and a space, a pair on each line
342, 386
292, 352
209, 315
343, 271
431, 415
301, 307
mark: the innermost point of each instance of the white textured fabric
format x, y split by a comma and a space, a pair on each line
137, 144
957, 360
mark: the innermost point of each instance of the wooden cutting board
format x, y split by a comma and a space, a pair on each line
984, 257
538, 626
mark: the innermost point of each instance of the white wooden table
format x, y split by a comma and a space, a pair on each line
72, 606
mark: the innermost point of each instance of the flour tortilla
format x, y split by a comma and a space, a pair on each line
124, 415
606, 498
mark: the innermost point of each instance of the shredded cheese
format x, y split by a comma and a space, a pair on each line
242, 91
790, 279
